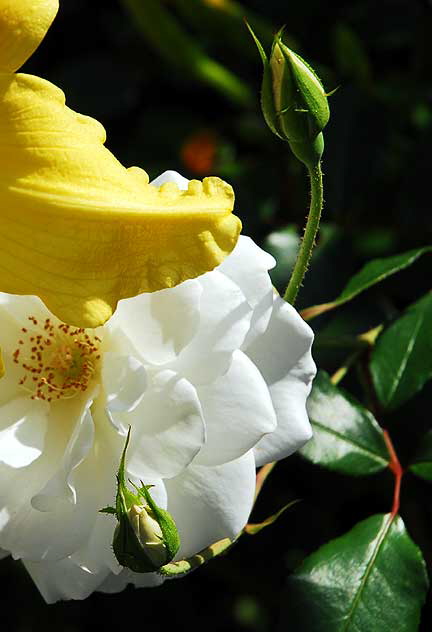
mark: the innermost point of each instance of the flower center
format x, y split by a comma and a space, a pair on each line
59, 361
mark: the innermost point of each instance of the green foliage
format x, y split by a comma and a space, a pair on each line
166, 35
372, 578
372, 273
401, 361
347, 438
422, 464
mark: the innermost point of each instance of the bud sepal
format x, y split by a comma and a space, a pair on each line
293, 100
146, 536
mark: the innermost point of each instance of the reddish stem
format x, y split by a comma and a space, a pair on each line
397, 470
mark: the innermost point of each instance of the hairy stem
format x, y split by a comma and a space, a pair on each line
308, 242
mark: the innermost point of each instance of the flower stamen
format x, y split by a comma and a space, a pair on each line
59, 360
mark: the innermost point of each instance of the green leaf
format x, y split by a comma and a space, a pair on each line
372, 273
165, 34
346, 437
254, 528
422, 465
372, 579
401, 361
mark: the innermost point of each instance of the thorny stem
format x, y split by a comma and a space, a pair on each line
308, 242
300, 267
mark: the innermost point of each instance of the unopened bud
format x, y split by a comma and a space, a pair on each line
149, 534
146, 536
293, 101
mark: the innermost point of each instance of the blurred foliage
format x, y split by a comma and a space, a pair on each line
176, 85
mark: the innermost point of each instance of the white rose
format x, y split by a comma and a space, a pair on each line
212, 376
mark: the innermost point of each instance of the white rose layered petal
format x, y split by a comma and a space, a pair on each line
224, 323
168, 427
60, 489
161, 324
124, 380
248, 267
51, 535
64, 579
238, 411
211, 503
283, 355
23, 424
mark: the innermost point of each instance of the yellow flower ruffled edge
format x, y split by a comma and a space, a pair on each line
79, 230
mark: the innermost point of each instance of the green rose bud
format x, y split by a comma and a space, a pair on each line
146, 537
293, 101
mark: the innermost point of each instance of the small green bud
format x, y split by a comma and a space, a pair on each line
293, 101
146, 536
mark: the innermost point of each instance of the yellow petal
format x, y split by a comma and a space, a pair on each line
80, 230
2, 366
23, 25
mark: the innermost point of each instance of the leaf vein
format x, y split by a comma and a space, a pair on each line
381, 536
359, 447
405, 359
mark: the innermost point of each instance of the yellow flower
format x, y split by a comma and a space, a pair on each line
79, 230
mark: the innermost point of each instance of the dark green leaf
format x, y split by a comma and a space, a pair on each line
372, 579
422, 465
372, 273
346, 436
401, 360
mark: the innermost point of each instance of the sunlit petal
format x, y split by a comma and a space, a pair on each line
23, 25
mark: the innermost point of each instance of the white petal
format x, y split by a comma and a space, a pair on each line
63, 579
23, 424
248, 267
19, 308
116, 583
171, 176
167, 428
52, 535
283, 356
225, 321
124, 379
211, 503
97, 555
60, 488
238, 411
160, 324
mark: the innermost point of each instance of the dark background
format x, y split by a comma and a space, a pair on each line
377, 166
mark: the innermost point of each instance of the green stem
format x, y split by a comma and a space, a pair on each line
308, 242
